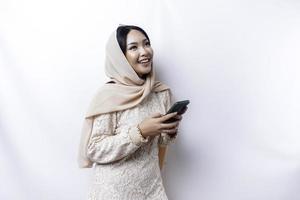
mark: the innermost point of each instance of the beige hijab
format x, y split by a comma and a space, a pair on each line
128, 91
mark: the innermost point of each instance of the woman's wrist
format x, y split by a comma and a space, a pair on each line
141, 132
136, 136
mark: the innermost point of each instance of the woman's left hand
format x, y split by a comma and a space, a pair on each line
173, 132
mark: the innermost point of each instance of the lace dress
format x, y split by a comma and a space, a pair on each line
127, 165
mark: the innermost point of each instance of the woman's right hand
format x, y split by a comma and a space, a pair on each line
154, 125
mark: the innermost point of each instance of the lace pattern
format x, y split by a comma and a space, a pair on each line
126, 166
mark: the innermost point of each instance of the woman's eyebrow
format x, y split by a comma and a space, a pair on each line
137, 42
132, 43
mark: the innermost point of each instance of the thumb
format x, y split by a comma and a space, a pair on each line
156, 115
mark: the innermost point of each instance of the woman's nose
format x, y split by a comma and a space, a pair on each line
143, 51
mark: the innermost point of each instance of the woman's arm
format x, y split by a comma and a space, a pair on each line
105, 146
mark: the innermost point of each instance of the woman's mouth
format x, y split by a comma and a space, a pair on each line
144, 61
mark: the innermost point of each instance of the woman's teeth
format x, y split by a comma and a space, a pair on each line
144, 61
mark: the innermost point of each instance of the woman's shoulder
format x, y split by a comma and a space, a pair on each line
164, 92
105, 116
164, 95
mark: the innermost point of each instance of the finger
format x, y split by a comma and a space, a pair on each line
178, 117
156, 115
169, 125
170, 131
168, 116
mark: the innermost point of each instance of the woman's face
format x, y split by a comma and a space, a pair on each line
139, 52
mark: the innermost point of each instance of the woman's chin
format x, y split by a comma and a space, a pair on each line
144, 73
145, 66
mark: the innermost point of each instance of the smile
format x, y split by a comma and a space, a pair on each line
144, 61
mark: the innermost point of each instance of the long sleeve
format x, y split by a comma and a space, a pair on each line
165, 138
106, 145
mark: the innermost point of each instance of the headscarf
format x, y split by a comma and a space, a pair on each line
128, 91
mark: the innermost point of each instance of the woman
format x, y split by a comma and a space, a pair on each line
123, 132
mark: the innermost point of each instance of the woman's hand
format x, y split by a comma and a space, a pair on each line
154, 125
179, 118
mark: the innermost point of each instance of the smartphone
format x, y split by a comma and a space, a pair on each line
178, 107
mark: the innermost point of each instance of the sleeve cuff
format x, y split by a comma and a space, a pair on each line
136, 136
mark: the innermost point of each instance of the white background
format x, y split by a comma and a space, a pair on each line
237, 61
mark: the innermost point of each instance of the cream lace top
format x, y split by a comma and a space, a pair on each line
126, 165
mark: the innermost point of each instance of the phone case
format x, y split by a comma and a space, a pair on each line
177, 107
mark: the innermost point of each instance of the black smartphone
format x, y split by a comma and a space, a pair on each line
178, 107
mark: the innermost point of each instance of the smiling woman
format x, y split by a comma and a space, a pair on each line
137, 48
139, 52
124, 134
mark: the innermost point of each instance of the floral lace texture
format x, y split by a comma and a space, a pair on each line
126, 165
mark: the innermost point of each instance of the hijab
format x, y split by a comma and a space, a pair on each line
127, 91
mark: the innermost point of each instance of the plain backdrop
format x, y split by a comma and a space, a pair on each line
236, 61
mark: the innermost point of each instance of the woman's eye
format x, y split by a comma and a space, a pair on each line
148, 44
132, 48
